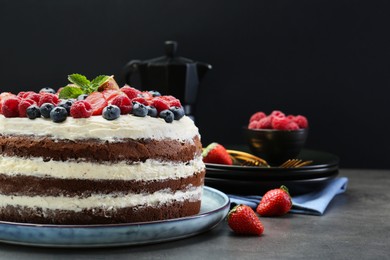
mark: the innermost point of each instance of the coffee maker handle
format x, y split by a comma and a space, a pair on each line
130, 69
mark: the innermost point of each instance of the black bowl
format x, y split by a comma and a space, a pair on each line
275, 146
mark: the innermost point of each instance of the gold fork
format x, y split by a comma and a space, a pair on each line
247, 159
294, 163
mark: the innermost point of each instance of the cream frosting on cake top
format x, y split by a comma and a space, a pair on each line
96, 127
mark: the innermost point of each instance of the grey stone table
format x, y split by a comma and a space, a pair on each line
356, 225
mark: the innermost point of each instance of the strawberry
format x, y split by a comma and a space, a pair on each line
110, 94
243, 220
97, 101
276, 202
216, 153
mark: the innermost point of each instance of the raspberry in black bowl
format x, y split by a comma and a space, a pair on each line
276, 137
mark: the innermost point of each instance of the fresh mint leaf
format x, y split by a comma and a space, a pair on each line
70, 92
79, 80
100, 80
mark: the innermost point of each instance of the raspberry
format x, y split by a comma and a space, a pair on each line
301, 121
130, 92
147, 95
140, 100
81, 109
30, 94
48, 98
160, 104
124, 103
277, 113
283, 123
10, 107
97, 101
175, 103
4, 96
265, 123
253, 125
257, 116
23, 105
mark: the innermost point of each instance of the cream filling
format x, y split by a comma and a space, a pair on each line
143, 171
96, 127
107, 202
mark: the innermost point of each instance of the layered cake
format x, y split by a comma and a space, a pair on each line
98, 159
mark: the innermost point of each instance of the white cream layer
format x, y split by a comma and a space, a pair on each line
106, 202
142, 171
96, 127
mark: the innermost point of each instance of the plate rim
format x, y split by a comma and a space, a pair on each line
222, 207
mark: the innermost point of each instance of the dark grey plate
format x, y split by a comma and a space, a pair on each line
296, 187
324, 165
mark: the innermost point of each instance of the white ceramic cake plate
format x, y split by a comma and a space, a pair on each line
215, 206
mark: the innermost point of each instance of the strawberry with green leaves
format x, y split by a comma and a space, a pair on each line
81, 85
216, 153
244, 221
276, 202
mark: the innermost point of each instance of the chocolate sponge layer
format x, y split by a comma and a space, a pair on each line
36, 186
96, 151
175, 209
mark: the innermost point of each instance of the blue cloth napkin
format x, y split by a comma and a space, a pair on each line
314, 203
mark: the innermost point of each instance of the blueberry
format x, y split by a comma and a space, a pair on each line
33, 112
58, 114
155, 93
178, 112
139, 109
47, 90
82, 97
67, 103
152, 111
111, 112
167, 115
45, 109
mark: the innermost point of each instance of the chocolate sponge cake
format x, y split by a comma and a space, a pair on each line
92, 170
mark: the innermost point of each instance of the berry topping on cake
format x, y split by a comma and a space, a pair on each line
33, 112
23, 105
155, 93
82, 97
152, 111
45, 109
47, 90
139, 109
66, 104
130, 92
97, 101
111, 112
100, 93
167, 115
10, 107
124, 103
48, 98
277, 120
81, 109
178, 112
58, 114
160, 104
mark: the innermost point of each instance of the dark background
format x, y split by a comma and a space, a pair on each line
327, 60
